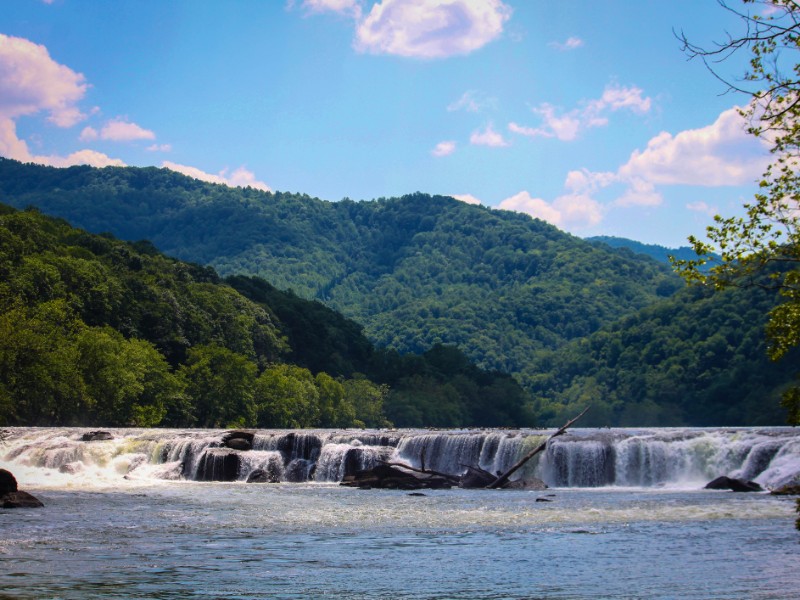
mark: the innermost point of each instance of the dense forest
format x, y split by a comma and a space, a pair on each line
430, 286
415, 271
698, 358
654, 251
95, 331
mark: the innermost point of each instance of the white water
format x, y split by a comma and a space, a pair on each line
129, 518
671, 458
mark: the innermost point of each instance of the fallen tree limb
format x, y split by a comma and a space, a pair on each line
452, 478
503, 479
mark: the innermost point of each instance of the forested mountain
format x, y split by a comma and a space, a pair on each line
659, 253
94, 331
416, 271
697, 358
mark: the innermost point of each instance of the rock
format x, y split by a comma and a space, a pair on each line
531, 484
8, 483
95, 436
392, 478
262, 476
790, 489
19, 500
543, 500
238, 444
71, 468
476, 478
736, 485
417, 494
218, 464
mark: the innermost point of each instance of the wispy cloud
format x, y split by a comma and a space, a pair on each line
488, 137
471, 101
467, 198
240, 177
571, 43
568, 125
444, 148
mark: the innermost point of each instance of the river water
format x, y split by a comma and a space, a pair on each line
125, 518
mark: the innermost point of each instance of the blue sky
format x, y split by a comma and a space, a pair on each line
583, 113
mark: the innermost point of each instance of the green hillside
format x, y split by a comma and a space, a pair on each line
698, 358
94, 331
654, 251
415, 271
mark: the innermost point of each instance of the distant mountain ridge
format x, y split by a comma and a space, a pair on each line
415, 271
659, 253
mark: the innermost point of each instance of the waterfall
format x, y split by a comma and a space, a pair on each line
581, 458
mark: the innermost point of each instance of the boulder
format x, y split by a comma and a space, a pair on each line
262, 476
531, 484
736, 485
391, 478
95, 436
238, 444
8, 483
218, 464
790, 489
19, 500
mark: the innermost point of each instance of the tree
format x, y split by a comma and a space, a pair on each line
762, 248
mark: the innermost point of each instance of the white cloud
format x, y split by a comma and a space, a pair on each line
702, 207
241, 177
567, 125
32, 82
88, 134
81, 157
719, 154
430, 28
121, 130
444, 148
488, 137
570, 211
468, 198
344, 7
159, 148
571, 43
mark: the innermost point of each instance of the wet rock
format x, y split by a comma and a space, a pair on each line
391, 478
543, 500
218, 464
8, 483
11, 497
731, 483
262, 476
790, 489
300, 470
475, 478
530, 484
95, 436
71, 468
295, 446
19, 500
238, 444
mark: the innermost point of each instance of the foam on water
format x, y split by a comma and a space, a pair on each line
672, 458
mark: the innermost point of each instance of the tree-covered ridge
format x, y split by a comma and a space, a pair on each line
654, 251
416, 271
94, 331
697, 359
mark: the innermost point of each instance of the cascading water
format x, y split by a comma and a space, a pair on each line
581, 458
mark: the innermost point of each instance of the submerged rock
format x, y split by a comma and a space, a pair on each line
736, 485
218, 464
531, 484
392, 478
19, 500
95, 436
262, 476
790, 489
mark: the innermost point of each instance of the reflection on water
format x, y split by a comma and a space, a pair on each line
233, 540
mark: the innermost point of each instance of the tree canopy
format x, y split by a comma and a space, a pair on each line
761, 248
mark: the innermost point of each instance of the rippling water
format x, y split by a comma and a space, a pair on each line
124, 519
233, 540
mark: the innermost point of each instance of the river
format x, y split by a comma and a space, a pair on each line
625, 517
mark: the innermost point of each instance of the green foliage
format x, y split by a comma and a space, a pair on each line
696, 359
97, 331
415, 271
750, 246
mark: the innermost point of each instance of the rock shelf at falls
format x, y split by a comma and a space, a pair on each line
581, 458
